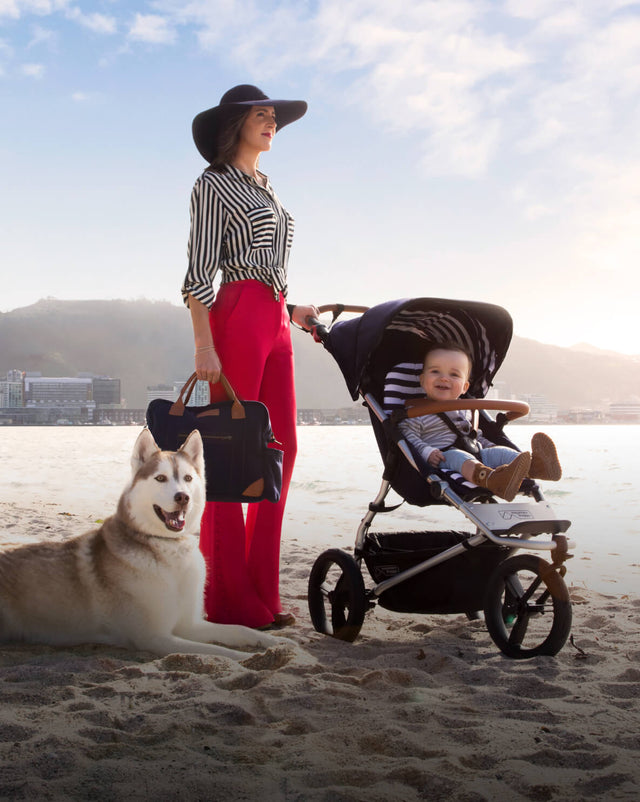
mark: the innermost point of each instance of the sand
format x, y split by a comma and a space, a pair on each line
419, 708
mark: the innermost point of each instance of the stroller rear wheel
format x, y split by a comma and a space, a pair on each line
336, 597
527, 607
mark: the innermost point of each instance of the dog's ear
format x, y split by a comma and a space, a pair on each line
192, 447
145, 446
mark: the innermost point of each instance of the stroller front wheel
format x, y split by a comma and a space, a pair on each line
527, 607
336, 595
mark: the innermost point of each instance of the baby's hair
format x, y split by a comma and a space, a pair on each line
448, 345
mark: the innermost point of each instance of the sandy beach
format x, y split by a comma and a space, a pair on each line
418, 708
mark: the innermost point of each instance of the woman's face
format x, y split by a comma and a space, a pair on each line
258, 129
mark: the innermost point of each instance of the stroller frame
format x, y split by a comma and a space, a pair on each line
522, 591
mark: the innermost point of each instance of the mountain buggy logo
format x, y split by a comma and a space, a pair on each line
386, 571
516, 515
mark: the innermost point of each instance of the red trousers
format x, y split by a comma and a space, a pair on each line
252, 337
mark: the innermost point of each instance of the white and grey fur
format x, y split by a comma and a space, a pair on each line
137, 581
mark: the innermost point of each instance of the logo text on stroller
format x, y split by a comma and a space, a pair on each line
516, 515
496, 515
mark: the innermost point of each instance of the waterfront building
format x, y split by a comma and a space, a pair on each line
541, 409
628, 412
166, 391
199, 396
106, 391
12, 390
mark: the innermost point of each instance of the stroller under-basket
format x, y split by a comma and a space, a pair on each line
525, 601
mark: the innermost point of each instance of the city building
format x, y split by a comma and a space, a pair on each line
199, 396
625, 413
62, 397
30, 397
541, 409
12, 390
166, 391
106, 391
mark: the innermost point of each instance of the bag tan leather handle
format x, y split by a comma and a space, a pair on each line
177, 408
424, 406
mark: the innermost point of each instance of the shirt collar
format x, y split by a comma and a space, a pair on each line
235, 172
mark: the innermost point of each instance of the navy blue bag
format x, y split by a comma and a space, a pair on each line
241, 463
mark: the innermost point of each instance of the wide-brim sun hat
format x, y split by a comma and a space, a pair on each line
206, 125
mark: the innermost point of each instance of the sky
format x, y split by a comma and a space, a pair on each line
452, 148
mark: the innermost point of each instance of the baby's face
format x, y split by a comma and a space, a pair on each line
445, 374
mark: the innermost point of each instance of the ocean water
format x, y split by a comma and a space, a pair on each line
82, 470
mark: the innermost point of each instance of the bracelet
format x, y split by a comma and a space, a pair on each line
204, 348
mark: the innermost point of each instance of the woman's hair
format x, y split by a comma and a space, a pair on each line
228, 138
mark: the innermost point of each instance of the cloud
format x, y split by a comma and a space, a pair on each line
98, 23
41, 36
16, 8
6, 51
152, 28
543, 90
9, 8
422, 68
32, 70
476, 84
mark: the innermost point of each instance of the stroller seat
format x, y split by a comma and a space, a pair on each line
402, 383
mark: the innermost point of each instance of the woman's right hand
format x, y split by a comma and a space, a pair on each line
208, 366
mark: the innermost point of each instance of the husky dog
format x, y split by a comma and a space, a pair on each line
137, 581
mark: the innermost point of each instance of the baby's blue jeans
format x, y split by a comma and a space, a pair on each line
491, 457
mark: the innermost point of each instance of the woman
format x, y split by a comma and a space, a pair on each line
240, 229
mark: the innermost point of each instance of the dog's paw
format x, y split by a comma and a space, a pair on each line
264, 641
282, 640
270, 660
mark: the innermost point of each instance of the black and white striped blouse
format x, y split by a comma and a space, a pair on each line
238, 228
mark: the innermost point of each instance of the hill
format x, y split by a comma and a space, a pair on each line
145, 342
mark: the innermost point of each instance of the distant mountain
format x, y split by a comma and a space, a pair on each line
591, 349
144, 343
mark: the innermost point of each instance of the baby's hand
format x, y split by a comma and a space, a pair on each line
435, 458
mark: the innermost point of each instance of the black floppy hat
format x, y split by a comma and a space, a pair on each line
206, 125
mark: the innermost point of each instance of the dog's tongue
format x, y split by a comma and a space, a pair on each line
174, 520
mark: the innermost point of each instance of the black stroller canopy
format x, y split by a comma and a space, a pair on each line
366, 347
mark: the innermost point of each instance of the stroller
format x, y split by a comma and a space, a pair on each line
526, 604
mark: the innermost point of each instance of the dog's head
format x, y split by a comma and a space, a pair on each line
166, 496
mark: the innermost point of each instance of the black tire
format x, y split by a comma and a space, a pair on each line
527, 607
336, 596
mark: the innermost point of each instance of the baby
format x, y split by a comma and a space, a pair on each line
447, 440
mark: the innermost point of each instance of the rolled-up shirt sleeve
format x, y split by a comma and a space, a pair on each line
208, 225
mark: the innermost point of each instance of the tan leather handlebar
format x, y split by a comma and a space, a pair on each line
425, 406
343, 308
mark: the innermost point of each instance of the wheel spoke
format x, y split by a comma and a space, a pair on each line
519, 629
531, 589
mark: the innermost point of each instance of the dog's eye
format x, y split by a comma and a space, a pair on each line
160, 478
188, 477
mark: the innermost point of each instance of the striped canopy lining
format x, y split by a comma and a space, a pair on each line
456, 327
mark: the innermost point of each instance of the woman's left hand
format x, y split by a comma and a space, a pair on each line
300, 315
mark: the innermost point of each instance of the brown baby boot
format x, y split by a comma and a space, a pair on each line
504, 481
544, 458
